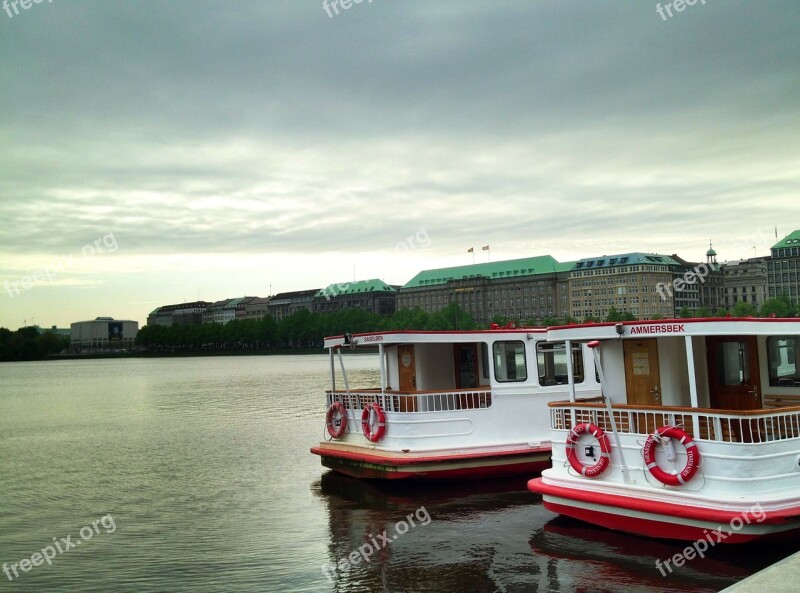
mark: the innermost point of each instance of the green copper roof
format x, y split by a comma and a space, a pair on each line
360, 287
625, 259
512, 268
792, 240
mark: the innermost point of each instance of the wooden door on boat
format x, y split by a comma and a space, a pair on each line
466, 365
643, 381
407, 365
733, 375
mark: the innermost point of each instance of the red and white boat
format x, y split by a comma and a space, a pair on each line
452, 404
698, 437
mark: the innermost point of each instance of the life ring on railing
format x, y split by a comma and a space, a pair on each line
664, 435
602, 464
374, 431
331, 420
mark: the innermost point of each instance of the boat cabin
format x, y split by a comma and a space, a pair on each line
732, 365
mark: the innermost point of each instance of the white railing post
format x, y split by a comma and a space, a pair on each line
692, 385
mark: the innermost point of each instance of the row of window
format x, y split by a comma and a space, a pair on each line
785, 252
510, 362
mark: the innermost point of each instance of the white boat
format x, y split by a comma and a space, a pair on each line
451, 404
698, 437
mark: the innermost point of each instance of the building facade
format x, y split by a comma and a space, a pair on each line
783, 268
745, 282
103, 333
529, 290
258, 308
227, 310
637, 283
374, 296
286, 303
179, 314
698, 285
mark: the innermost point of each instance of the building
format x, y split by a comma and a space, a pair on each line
180, 314
745, 282
783, 268
528, 290
638, 283
286, 303
374, 296
103, 333
696, 285
258, 308
227, 310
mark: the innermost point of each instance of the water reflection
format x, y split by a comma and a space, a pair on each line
459, 550
496, 536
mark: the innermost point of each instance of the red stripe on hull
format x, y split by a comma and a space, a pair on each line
388, 472
656, 507
416, 460
647, 527
468, 465
665, 522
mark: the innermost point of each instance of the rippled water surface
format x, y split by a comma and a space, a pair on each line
197, 475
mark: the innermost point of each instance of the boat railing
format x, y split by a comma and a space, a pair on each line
716, 425
414, 401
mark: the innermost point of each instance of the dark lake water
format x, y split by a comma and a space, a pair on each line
194, 475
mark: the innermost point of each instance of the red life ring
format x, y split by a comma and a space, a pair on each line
692, 456
330, 421
602, 464
373, 434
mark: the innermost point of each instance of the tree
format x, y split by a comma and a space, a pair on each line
450, 318
684, 313
704, 312
780, 306
742, 309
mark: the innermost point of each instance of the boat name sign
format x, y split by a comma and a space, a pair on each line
674, 328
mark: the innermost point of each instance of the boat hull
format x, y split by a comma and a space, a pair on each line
388, 465
642, 516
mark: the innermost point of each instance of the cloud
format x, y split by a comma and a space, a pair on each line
191, 129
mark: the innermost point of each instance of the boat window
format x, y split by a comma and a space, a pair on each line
552, 362
732, 364
784, 361
485, 360
509, 361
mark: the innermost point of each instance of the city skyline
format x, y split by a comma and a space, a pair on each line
189, 153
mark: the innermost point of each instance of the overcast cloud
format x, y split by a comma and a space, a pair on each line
231, 147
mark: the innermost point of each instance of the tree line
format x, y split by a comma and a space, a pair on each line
304, 329
29, 343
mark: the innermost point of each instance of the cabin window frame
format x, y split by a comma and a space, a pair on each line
774, 358
502, 370
578, 366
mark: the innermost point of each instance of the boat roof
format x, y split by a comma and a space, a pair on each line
372, 339
713, 326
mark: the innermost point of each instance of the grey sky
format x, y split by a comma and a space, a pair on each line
234, 146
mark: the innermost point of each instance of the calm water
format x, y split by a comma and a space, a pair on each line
197, 475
